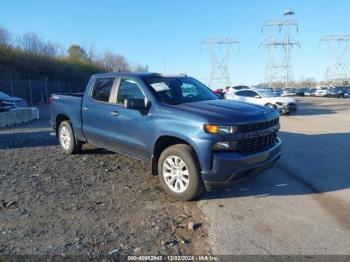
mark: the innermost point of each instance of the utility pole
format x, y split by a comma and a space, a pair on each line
219, 77
338, 62
279, 67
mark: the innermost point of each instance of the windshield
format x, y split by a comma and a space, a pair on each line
267, 93
3, 95
178, 90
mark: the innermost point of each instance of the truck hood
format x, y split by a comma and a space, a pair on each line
227, 111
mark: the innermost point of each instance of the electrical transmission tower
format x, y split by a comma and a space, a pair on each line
219, 50
279, 67
338, 63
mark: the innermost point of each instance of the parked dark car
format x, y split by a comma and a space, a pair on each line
11, 101
277, 91
310, 91
336, 91
300, 91
193, 142
347, 93
4, 108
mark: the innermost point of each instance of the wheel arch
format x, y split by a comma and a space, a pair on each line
59, 119
163, 142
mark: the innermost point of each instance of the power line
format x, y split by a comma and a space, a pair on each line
324, 25
319, 10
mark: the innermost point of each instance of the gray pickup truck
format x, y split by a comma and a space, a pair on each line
194, 139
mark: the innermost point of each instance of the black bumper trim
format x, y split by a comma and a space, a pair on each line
241, 175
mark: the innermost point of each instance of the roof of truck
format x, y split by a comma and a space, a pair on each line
138, 74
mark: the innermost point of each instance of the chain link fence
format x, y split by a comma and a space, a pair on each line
37, 92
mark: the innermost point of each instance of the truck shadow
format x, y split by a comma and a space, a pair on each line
310, 164
26, 139
37, 138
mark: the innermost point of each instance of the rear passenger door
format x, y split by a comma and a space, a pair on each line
96, 111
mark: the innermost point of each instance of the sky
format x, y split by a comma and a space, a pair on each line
167, 35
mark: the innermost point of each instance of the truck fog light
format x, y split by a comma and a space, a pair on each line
225, 146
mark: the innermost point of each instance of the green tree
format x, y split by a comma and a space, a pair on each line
77, 53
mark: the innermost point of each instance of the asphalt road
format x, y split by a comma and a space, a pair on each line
302, 206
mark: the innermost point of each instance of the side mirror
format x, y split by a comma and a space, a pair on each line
257, 96
137, 104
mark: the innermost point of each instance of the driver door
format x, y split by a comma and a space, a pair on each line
131, 129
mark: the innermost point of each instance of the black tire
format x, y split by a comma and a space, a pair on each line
195, 185
73, 147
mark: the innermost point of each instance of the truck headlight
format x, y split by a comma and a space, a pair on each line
225, 146
216, 129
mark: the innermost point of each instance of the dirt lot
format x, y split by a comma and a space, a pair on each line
94, 203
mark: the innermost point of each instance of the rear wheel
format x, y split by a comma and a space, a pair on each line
179, 172
67, 139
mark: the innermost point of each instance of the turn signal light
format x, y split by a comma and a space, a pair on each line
211, 129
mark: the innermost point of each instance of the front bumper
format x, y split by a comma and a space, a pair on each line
231, 168
286, 108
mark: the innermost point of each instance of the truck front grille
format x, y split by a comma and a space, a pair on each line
256, 143
257, 126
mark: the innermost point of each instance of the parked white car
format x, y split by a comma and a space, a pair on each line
289, 92
322, 91
264, 97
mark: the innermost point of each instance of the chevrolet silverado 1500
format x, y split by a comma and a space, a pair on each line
193, 139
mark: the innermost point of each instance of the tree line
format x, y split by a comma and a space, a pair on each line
30, 57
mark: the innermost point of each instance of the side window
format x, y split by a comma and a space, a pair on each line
102, 89
246, 93
128, 89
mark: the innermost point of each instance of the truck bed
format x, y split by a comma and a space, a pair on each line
69, 105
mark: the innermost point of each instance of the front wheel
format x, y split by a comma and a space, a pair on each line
179, 172
67, 139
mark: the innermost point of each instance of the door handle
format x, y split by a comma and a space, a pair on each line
115, 113
85, 108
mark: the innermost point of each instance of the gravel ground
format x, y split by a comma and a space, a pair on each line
97, 202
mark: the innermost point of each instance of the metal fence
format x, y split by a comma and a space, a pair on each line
37, 92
